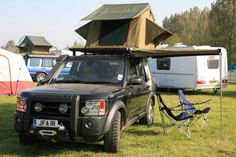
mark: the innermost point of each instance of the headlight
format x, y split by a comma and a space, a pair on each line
94, 107
21, 104
38, 107
63, 108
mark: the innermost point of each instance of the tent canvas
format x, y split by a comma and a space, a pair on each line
14, 75
123, 25
33, 45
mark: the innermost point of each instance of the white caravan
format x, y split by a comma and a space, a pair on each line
190, 72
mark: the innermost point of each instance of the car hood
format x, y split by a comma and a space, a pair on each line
78, 89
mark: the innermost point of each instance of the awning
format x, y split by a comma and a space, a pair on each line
174, 52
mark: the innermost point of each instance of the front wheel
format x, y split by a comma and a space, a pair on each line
112, 137
148, 119
40, 76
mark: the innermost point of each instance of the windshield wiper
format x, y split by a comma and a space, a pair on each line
68, 81
102, 82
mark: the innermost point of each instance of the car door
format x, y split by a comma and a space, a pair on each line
33, 66
137, 93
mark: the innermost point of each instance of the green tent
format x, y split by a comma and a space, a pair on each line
33, 45
123, 25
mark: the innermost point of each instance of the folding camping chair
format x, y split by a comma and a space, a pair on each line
198, 113
181, 122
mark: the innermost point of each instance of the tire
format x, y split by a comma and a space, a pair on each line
215, 90
40, 76
24, 139
148, 119
112, 137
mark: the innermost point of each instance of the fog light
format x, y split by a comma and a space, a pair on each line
63, 108
89, 124
85, 110
38, 107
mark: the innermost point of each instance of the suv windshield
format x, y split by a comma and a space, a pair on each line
91, 71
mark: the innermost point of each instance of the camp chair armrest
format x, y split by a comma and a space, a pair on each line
177, 107
199, 103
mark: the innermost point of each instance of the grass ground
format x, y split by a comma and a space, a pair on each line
138, 140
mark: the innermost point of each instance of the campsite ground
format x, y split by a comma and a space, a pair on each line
139, 140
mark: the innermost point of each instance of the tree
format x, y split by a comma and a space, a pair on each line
223, 25
11, 46
77, 44
189, 27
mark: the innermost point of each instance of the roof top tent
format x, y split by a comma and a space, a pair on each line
122, 26
192, 72
33, 45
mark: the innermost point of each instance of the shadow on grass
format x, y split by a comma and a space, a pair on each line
46, 148
143, 132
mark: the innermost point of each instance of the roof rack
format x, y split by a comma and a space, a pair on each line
102, 51
145, 53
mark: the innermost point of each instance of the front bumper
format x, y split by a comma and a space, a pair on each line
87, 128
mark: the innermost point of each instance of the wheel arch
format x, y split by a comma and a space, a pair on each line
118, 106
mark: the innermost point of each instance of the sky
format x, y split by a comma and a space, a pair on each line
56, 20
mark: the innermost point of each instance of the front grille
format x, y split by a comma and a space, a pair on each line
50, 104
50, 109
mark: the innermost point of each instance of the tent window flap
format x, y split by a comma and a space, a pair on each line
114, 32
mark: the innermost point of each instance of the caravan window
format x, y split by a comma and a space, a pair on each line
212, 63
163, 64
114, 32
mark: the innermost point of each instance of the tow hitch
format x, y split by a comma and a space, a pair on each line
47, 132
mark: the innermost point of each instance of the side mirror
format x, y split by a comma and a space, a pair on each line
135, 81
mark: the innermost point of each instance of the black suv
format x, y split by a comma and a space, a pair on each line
98, 97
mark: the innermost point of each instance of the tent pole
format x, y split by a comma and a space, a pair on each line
221, 101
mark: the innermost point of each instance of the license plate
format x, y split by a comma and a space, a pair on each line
213, 81
45, 123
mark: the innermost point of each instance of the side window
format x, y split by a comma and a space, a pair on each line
212, 63
163, 64
34, 62
47, 62
54, 61
137, 69
141, 69
132, 69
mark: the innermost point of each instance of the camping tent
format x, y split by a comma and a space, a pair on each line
33, 45
123, 25
14, 75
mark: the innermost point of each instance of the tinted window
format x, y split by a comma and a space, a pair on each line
133, 70
34, 62
163, 64
212, 63
91, 71
114, 32
47, 62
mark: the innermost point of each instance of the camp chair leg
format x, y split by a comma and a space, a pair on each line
163, 123
186, 132
204, 120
